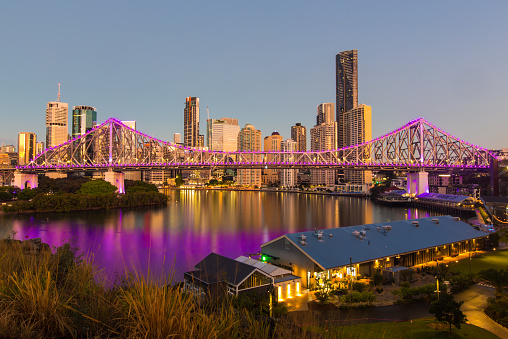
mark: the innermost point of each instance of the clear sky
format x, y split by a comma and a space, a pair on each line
267, 63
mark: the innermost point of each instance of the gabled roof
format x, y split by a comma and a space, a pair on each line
215, 268
404, 237
270, 269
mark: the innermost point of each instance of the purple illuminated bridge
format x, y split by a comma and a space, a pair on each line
416, 146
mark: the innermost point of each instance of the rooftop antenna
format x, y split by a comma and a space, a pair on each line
207, 113
58, 93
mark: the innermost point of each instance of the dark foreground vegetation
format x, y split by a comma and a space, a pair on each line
72, 194
53, 293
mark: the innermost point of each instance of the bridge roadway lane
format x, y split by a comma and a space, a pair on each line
475, 301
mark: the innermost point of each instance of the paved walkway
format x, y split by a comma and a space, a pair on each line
475, 301
300, 303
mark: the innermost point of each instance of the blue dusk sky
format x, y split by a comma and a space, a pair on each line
267, 63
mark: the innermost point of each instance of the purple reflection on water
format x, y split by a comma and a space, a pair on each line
194, 224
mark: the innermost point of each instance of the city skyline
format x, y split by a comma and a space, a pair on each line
270, 77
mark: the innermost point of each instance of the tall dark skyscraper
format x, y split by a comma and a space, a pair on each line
191, 137
346, 86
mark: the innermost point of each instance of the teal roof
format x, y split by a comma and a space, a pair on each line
336, 245
443, 197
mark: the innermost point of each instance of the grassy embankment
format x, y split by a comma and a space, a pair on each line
495, 259
53, 295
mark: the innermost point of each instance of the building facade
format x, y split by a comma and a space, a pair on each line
325, 113
249, 139
288, 177
177, 138
346, 72
84, 119
299, 135
56, 123
272, 143
323, 137
191, 122
357, 129
27, 147
222, 134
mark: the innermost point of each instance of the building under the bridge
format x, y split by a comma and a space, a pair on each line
362, 249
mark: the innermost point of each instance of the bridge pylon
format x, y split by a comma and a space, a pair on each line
116, 179
25, 180
417, 182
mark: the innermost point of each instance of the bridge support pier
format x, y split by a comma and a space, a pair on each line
115, 179
417, 183
25, 180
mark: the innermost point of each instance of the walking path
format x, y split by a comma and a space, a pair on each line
475, 301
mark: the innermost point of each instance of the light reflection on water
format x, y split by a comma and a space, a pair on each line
196, 223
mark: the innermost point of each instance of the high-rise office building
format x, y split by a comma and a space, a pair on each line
271, 143
177, 138
249, 139
56, 122
26, 147
299, 135
223, 134
288, 177
323, 137
39, 147
84, 119
325, 113
346, 86
191, 137
130, 146
357, 129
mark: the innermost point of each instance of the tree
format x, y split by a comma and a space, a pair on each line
179, 180
323, 291
132, 186
447, 310
97, 187
28, 193
497, 278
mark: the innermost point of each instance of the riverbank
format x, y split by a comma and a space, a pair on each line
67, 202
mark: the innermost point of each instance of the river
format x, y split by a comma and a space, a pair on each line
172, 239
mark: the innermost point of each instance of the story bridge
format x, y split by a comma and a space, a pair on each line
416, 147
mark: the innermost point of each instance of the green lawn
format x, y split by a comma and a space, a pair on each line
421, 328
495, 259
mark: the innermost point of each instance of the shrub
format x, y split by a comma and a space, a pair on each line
359, 297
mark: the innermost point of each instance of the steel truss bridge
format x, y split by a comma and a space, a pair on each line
416, 146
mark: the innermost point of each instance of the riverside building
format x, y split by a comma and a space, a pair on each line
299, 135
288, 177
272, 143
360, 250
191, 135
249, 139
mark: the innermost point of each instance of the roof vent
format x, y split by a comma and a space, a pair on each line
436, 220
416, 223
363, 233
331, 235
356, 233
456, 218
303, 236
320, 235
387, 228
303, 243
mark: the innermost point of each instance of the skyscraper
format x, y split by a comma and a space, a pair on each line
249, 139
288, 177
26, 147
177, 138
272, 143
223, 134
299, 135
56, 122
346, 86
357, 129
84, 118
323, 137
191, 136
325, 113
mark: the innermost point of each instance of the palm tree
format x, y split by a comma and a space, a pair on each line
497, 278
